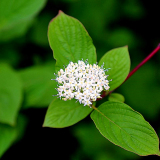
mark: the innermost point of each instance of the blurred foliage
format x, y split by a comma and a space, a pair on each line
10, 95
39, 30
99, 19
16, 16
92, 145
39, 88
27, 66
9, 135
144, 93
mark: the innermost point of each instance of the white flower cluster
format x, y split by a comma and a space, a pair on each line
81, 81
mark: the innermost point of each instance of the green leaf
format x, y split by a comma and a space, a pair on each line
38, 86
118, 61
65, 113
9, 135
10, 94
17, 13
116, 97
70, 41
126, 128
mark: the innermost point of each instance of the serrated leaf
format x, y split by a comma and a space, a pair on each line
38, 86
116, 97
8, 134
15, 14
118, 61
10, 94
62, 114
126, 128
70, 41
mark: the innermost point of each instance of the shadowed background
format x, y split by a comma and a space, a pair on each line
25, 48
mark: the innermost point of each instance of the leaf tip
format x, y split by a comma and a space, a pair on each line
44, 123
59, 12
126, 46
158, 154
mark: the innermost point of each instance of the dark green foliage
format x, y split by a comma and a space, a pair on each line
27, 67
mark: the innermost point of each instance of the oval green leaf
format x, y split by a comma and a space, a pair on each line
62, 114
126, 128
38, 86
10, 94
118, 61
116, 97
70, 41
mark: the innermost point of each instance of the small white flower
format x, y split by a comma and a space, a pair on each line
82, 81
87, 102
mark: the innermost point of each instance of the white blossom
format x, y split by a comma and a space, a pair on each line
82, 81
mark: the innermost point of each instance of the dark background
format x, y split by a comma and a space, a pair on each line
111, 24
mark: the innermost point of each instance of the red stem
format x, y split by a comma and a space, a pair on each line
144, 61
136, 68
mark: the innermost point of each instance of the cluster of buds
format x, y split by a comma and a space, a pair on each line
82, 81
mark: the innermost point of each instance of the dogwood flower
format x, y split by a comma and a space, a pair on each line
82, 81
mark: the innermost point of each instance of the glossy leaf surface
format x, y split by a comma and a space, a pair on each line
70, 41
126, 128
118, 62
116, 97
65, 113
